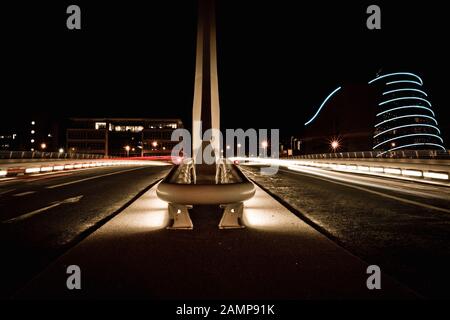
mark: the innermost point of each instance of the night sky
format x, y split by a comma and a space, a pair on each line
277, 59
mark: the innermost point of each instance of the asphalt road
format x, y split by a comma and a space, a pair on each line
42, 216
403, 227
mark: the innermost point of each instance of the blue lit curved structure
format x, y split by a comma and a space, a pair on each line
405, 118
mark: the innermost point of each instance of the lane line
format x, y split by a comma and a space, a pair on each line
23, 193
35, 212
6, 191
416, 203
90, 178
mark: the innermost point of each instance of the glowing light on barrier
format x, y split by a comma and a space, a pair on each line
408, 125
3, 173
322, 105
407, 116
406, 107
436, 175
406, 89
392, 171
397, 74
32, 170
412, 173
404, 81
405, 98
409, 135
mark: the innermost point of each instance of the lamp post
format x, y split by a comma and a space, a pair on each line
127, 149
264, 145
334, 145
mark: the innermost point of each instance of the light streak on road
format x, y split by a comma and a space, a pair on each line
384, 184
91, 178
51, 206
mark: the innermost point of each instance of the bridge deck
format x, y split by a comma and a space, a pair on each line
277, 256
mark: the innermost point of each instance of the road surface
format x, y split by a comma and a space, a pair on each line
401, 226
42, 216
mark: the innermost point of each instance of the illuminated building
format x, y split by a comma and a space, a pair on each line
110, 136
404, 118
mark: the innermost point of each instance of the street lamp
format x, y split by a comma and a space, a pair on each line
334, 145
43, 146
61, 150
264, 144
127, 148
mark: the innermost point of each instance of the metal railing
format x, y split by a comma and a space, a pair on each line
402, 154
48, 155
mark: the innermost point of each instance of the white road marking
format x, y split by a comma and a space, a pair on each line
53, 205
6, 191
23, 193
90, 178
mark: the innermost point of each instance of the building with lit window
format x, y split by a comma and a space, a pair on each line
121, 136
392, 112
404, 118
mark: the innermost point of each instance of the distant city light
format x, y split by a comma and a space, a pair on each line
32, 140
239, 145
32, 131
334, 144
264, 144
61, 150
43, 145
127, 148
33, 123
49, 135
154, 144
228, 147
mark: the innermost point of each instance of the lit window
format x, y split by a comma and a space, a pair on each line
129, 128
100, 125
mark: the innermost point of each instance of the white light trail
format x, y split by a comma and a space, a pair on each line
322, 105
405, 89
407, 116
397, 74
409, 125
407, 136
406, 107
405, 98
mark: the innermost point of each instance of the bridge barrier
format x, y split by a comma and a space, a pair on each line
19, 169
429, 171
